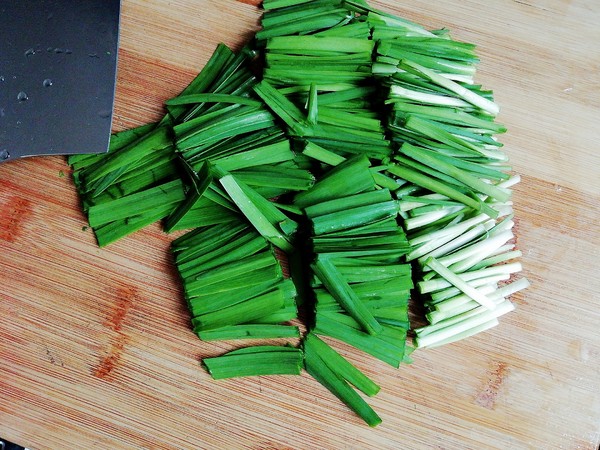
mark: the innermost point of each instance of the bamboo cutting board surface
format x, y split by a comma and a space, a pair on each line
95, 344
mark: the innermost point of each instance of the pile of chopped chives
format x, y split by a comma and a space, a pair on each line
364, 152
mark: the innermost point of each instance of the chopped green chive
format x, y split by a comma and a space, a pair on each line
256, 361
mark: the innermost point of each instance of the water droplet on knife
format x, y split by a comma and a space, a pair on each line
22, 96
30, 52
1, 78
105, 113
4, 155
47, 82
58, 50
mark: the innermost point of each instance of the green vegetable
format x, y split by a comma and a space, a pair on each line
335, 372
366, 147
389, 346
264, 216
255, 361
349, 177
249, 331
343, 293
341, 365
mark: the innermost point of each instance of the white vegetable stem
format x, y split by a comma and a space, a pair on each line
469, 256
461, 240
470, 328
462, 303
425, 219
453, 230
467, 95
503, 270
451, 291
462, 322
423, 97
459, 283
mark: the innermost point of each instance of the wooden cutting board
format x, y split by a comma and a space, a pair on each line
95, 344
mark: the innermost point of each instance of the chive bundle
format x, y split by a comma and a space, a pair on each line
455, 198
360, 282
133, 185
141, 162
327, 73
234, 284
365, 151
467, 271
284, 18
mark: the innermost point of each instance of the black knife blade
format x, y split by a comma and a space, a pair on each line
58, 61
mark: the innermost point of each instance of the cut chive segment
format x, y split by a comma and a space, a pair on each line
434, 185
448, 275
250, 331
256, 361
464, 93
349, 177
335, 283
262, 214
315, 364
389, 346
340, 365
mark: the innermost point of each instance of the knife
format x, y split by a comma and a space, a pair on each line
58, 61
5, 445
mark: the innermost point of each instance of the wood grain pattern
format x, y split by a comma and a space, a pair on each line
95, 344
